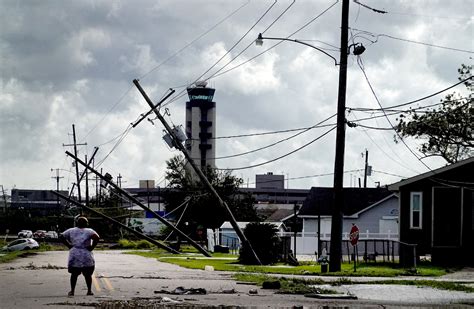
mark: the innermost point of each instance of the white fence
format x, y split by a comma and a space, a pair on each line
306, 243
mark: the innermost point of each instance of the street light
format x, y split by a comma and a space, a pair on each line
336, 220
260, 38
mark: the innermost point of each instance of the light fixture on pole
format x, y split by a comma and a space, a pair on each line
337, 216
260, 38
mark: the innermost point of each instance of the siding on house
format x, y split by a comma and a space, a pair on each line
447, 227
369, 219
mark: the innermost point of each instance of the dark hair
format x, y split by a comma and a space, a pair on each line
82, 222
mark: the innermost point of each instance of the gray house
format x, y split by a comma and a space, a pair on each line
373, 210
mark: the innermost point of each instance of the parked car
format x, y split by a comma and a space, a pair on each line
39, 234
25, 234
51, 234
21, 244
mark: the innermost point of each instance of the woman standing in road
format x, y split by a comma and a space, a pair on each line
81, 241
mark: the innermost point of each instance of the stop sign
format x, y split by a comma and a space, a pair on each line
354, 235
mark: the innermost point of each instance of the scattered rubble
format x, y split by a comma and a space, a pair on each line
183, 291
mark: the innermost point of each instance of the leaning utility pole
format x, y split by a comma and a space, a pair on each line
198, 171
153, 241
336, 221
78, 184
121, 191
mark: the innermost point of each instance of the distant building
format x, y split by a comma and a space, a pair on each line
201, 124
270, 189
270, 181
37, 201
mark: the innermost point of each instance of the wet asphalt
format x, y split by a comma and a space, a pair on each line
129, 281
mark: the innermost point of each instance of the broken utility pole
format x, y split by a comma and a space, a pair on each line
78, 184
83, 172
198, 171
136, 201
157, 243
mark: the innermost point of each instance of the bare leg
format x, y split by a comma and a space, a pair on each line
89, 284
73, 281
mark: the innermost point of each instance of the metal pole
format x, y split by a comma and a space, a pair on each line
366, 167
319, 230
336, 222
134, 200
198, 171
87, 184
78, 184
294, 229
158, 244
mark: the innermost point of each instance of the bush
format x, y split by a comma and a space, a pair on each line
143, 244
126, 244
265, 242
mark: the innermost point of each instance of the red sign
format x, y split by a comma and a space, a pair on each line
354, 235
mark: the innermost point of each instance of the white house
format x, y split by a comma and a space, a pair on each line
373, 210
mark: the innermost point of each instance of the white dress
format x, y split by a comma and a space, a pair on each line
80, 239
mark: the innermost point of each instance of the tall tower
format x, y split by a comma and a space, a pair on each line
200, 124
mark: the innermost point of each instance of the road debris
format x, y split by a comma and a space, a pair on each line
183, 291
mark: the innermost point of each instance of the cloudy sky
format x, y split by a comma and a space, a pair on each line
73, 62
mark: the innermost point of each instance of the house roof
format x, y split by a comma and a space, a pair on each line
320, 200
396, 186
279, 215
242, 225
393, 195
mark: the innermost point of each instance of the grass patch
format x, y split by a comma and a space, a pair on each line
288, 285
6, 257
130, 244
10, 256
228, 262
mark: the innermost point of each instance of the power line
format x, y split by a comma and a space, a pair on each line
370, 8
382, 149
352, 124
361, 66
107, 113
125, 133
409, 41
195, 40
230, 49
251, 43
181, 93
389, 109
281, 157
425, 97
309, 176
276, 143
390, 174
278, 43
271, 132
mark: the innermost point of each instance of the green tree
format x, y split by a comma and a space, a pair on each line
203, 209
448, 129
265, 242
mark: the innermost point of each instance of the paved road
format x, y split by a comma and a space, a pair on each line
41, 281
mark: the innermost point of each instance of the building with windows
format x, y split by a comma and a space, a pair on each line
437, 214
39, 202
201, 124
